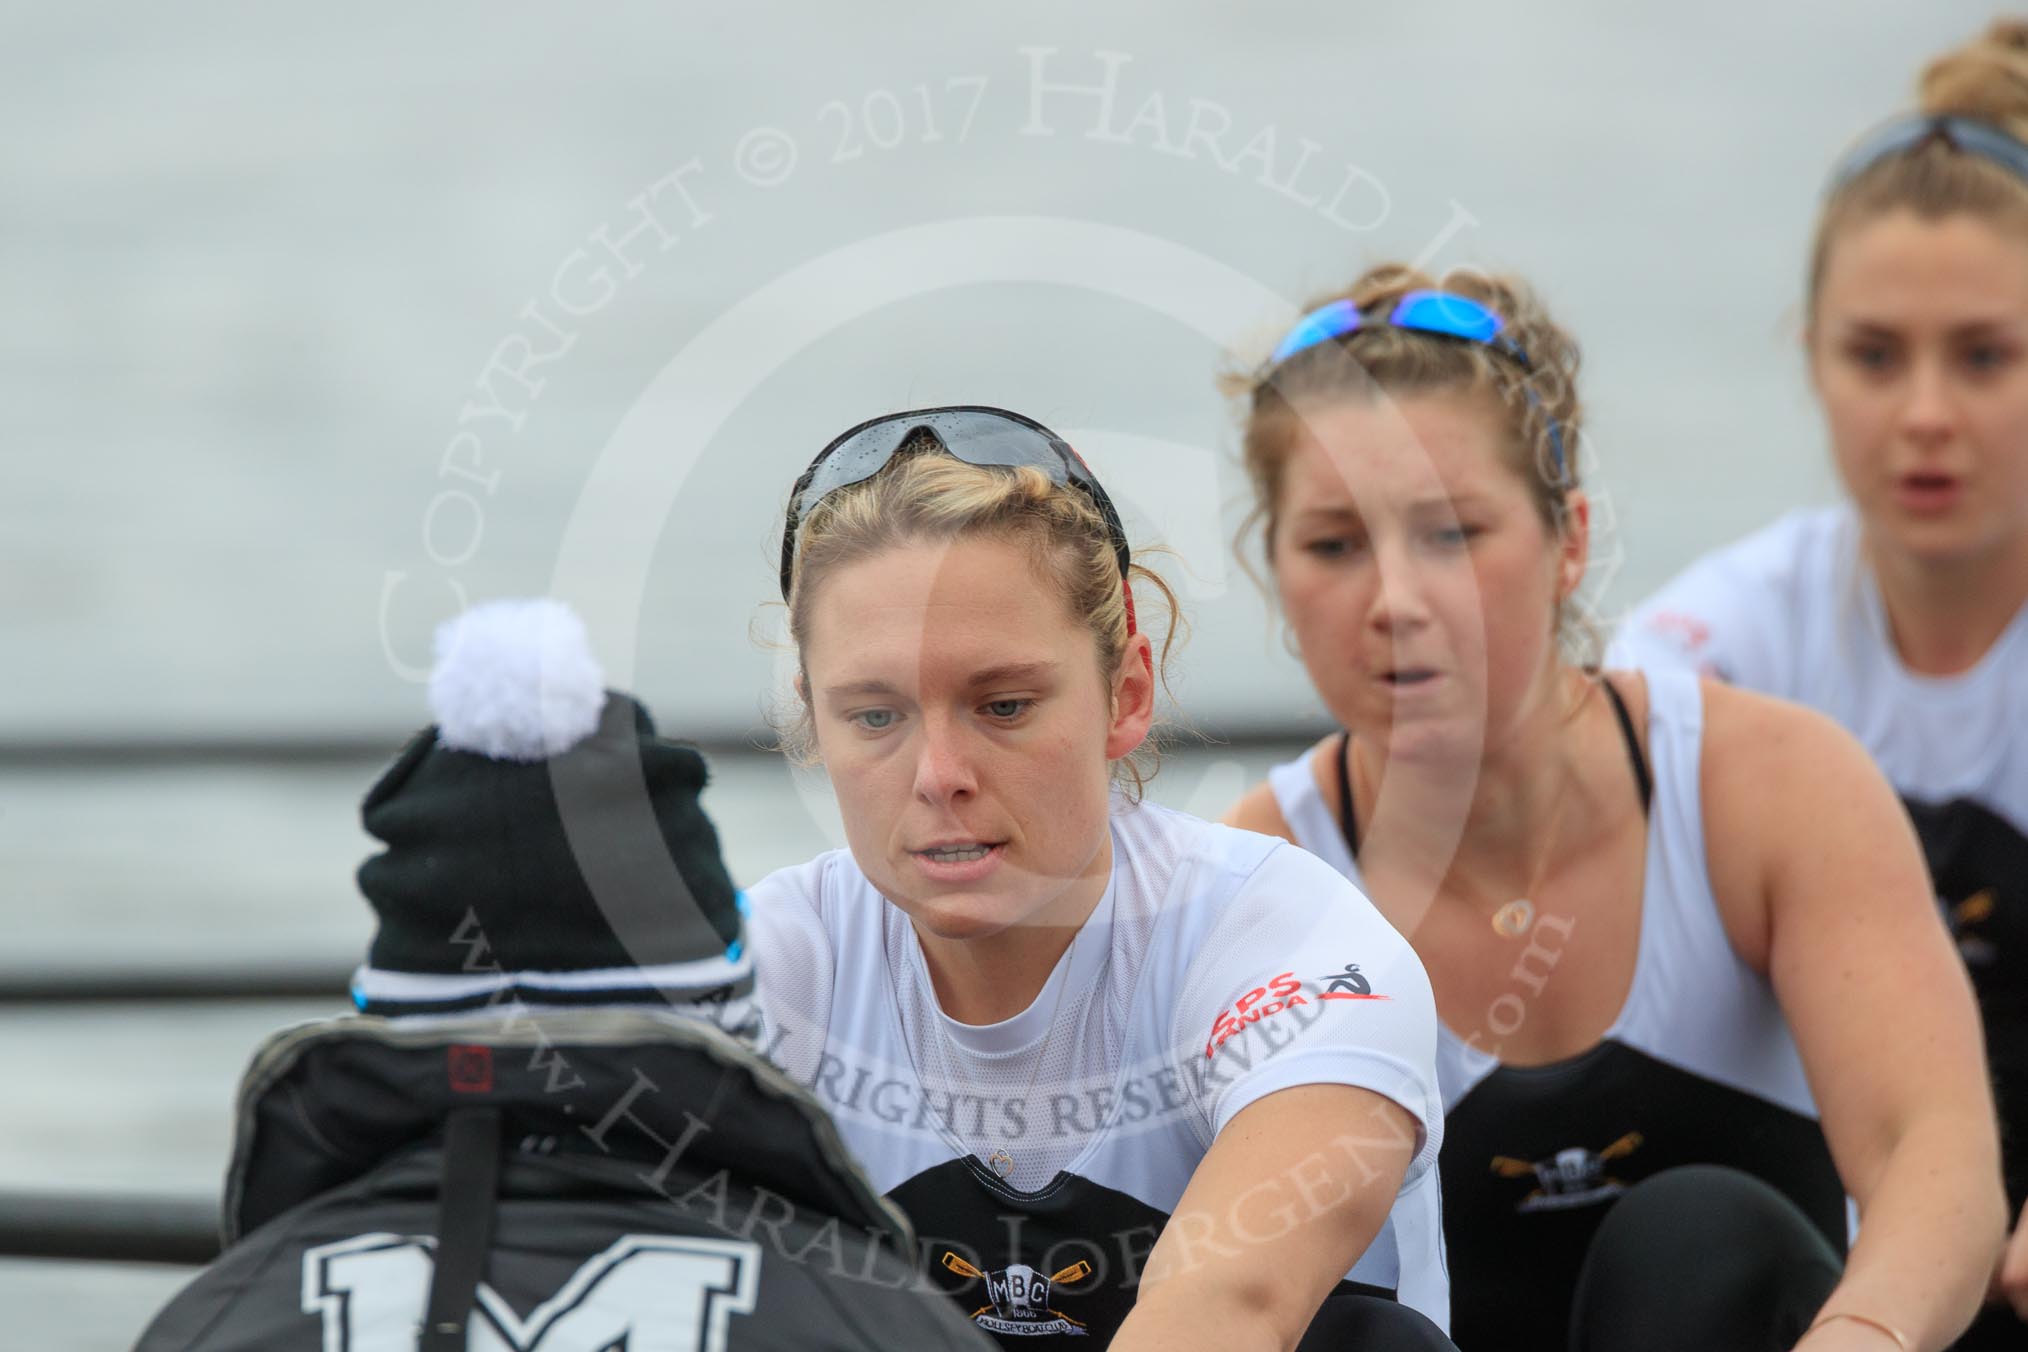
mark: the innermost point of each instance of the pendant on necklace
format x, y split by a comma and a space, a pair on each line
1514, 919
1000, 1162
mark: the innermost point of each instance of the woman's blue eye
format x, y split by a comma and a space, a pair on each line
1454, 535
874, 720
1006, 708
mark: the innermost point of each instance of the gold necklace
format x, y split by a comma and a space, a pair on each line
1514, 919
1517, 917
1001, 1161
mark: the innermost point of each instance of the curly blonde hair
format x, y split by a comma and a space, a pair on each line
1543, 416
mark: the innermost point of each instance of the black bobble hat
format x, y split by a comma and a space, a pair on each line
543, 845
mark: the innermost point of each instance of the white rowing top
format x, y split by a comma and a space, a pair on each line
1219, 967
1791, 610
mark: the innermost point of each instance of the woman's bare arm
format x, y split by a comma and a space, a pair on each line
1279, 1209
1826, 891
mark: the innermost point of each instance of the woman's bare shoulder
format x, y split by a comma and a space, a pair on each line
1259, 810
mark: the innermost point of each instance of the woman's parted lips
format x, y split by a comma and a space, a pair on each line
957, 845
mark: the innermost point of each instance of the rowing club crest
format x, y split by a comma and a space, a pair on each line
1569, 1178
1020, 1297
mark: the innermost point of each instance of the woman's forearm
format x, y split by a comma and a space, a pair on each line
1929, 1234
1174, 1326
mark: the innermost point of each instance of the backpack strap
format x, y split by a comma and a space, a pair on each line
465, 1211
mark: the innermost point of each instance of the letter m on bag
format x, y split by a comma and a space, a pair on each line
646, 1293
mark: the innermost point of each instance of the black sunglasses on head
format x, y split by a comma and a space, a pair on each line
972, 433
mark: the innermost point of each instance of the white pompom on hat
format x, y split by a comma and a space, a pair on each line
543, 843
515, 680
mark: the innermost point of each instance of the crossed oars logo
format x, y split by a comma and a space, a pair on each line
1017, 1292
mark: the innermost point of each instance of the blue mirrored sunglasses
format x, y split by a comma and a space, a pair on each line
1435, 312
1906, 134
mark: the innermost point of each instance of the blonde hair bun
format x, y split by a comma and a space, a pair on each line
1986, 79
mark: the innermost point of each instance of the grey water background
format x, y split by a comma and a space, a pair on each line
315, 323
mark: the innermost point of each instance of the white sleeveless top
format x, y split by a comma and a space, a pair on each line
1693, 1003
1698, 1067
1793, 610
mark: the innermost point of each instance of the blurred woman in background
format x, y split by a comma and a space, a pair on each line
1899, 612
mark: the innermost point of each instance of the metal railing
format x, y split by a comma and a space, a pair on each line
154, 983
109, 1229
140, 1228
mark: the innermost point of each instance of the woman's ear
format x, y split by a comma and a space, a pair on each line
1133, 702
1574, 548
1810, 367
